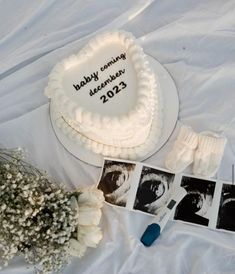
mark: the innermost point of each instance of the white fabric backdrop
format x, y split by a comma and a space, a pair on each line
195, 41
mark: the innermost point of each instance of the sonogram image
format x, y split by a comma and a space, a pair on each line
116, 181
226, 214
154, 190
196, 205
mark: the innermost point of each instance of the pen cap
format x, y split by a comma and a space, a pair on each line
151, 234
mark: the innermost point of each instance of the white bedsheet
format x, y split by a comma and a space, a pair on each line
195, 41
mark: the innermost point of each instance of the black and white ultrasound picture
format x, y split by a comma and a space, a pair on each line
154, 190
115, 181
226, 215
195, 207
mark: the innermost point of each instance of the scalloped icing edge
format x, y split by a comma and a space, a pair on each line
55, 91
135, 153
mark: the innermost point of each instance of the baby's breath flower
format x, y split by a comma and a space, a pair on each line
3, 207
19, 175
30, 205
42, 220
9, 176
7, 166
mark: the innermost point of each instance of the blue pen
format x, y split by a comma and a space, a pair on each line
153, 230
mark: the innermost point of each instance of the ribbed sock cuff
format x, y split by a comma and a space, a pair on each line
211, 144
188, 137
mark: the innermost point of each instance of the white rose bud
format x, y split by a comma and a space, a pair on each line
89, 235
91, 196
89, 215
76, 249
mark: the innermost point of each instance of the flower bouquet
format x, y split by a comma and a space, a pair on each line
42, 220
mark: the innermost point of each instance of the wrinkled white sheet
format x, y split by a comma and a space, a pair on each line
195, 41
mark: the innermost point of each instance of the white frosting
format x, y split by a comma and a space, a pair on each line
112, 66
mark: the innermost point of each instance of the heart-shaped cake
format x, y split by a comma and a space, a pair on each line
106, 97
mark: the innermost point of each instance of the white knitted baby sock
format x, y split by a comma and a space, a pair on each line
208, 154
183, 150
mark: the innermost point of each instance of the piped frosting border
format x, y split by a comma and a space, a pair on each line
135, 153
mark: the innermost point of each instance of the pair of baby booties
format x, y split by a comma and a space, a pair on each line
204, 150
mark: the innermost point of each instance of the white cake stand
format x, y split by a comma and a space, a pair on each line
170, 116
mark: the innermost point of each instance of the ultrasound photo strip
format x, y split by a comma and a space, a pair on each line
138, 186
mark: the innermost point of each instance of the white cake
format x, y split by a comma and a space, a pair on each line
107, 98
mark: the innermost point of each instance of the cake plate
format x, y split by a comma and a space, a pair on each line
170, 116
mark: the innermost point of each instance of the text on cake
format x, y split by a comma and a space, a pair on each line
111, 93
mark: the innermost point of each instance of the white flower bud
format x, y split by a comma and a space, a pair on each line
76, 249
7, 166
19, 176
28, 211
9, 176
3, 207
32, 202
74, 203
91, 196
89, 215
89, 235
